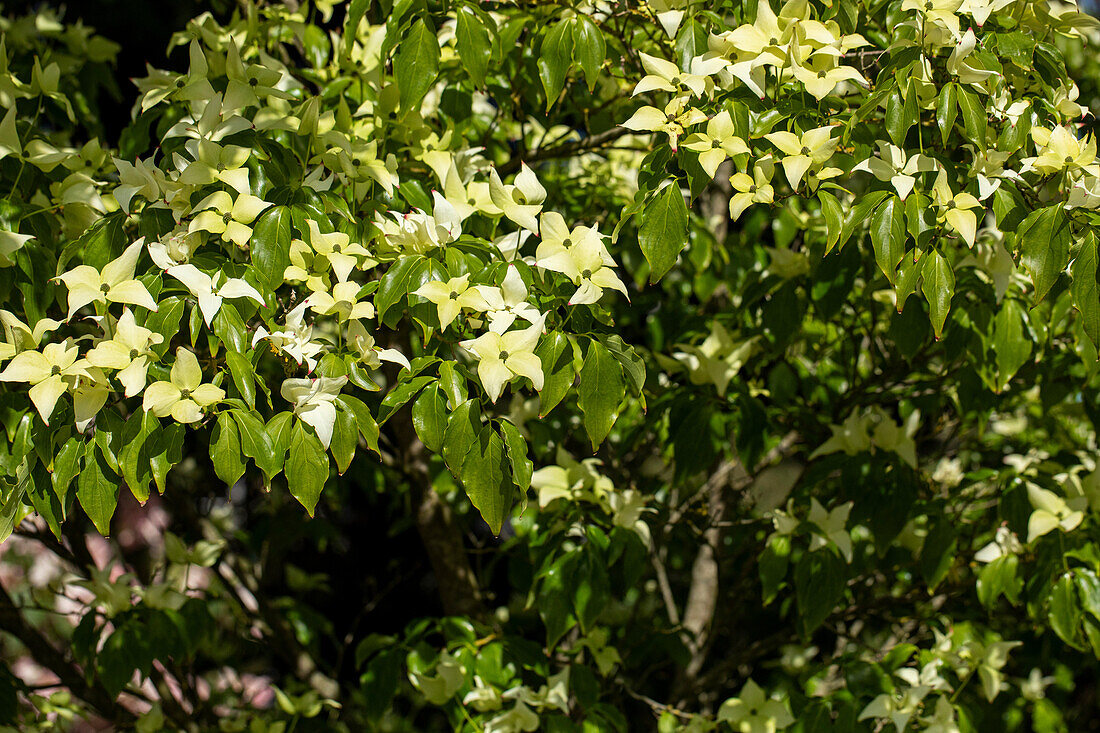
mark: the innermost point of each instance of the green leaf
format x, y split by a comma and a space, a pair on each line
244, 376
225, 450
556, 354
664, 230
356, 10
938, 287
1065, 615
429, 416
416, 65
485, 478
774, 562
368, 428
66, 466
257, 444
454, 384
345, 439
402, 392
601, 391
270, 246
974, 116
306, 467
938, 551
394, 286
901, 114
999, 578
590, 49
888, 236
1011, 344
472, 41
134, 458
165, 451
1044, 240
522, 467
834, 219
97, 489
555, 59
632, 364
463, 428
165, 321
1086, 296
947, 108
859, 214
819, 579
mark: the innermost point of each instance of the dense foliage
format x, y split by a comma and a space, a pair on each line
514, 366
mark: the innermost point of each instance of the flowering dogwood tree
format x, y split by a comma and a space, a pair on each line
514, 366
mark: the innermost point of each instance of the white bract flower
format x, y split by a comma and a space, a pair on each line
313, 402
893, 166
451, 297
579, 255
508, 302
504, 356
185, 396
834, 527
220, 214
128, 351
295, 339
211, 291
46, 372
114, 284
521, 201
754, 712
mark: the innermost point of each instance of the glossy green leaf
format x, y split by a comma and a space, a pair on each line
306, 467
663, 232
601, 391
416, 65
1044, 240
938, 287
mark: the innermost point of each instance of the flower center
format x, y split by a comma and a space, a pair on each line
471, 202
519, 198
714, 144
675, 81
586, 274
185, 394
336, 248
821, 75
773, 41
105, 288
453, 295
55, 371
804, 151
253, 82
226, 217
181, 83
503, 356
134, 353
357, 162
752, 188
928, 6
951, 204
567, 243
1069, 158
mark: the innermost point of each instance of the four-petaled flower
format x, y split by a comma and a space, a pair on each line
114, 284
185, 396
220, 214
754, 712
507, 355
129, 351
46, 372
313, 402
451, 297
